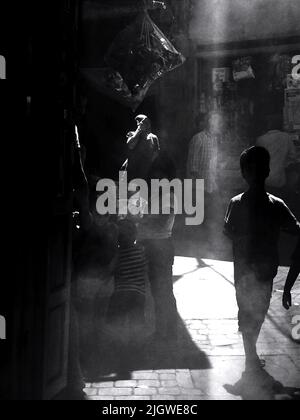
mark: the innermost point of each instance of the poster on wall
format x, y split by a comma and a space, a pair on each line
292, 109
219, 77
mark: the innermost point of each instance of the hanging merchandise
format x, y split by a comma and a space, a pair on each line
139, 55
242, 69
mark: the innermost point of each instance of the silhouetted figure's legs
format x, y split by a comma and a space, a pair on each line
253, 298
160, 254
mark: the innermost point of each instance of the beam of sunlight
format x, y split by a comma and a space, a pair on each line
203, 293
223, 268
185, 265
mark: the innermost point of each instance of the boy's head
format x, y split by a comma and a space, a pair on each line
255, 165
127, 233
143, 123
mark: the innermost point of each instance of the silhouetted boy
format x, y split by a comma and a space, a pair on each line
254, 221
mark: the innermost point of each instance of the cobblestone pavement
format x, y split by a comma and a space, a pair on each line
208, 359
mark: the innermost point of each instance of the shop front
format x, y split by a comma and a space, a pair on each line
247, 83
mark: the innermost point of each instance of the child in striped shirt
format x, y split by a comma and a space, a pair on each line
126, 312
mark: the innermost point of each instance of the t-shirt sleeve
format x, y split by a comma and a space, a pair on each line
230, 220
288, 221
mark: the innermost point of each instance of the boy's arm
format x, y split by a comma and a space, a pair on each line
291, 280
133, 141
292, 277
229, 225
289, 223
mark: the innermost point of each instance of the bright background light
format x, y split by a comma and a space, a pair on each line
204, 289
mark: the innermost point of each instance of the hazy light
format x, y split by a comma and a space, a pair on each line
203, 290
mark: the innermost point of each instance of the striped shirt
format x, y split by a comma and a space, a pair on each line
131, 270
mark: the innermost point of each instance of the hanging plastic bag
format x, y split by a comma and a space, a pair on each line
140, 54
242, 69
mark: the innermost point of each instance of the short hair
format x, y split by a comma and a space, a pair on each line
255, 156
142, 117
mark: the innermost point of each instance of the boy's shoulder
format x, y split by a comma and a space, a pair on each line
243, 202
237, 199
244, 196
276, 200
279, 204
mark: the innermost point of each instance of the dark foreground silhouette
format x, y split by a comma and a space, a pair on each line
116, 361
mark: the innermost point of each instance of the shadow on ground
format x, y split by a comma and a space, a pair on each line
116, 361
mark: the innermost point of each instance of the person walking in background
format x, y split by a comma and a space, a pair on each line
143, 147
291, 279
203, 163
203, 153
282, 151
254, 221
